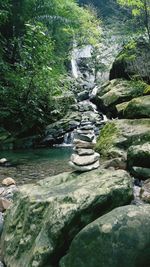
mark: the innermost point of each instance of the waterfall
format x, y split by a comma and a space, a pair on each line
78, 53
74, 68
68, 139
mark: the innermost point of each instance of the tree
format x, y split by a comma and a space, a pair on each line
140, 8
36, 37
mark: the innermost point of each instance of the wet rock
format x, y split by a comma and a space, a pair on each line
54, 133
1, 264
145, 191
8, 181
45, 217
119, 238
141, 173
83, 95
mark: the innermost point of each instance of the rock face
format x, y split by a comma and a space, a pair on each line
133, 60
119, 238
47, 216
85, 141
118, 135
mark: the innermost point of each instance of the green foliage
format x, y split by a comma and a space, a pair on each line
36, 37
141, 9
147, 89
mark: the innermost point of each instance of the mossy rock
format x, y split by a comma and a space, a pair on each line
133, 61
45, 217
139, 156
118, 239
118, 91
118, 135
136, 108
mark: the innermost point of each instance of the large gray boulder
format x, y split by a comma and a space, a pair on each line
45, 217
118, 239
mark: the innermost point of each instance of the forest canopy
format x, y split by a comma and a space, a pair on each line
36, 37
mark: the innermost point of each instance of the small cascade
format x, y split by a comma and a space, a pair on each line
68, 139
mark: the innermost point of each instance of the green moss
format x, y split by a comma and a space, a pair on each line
147, 89
105, 139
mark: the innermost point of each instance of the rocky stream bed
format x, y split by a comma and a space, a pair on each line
97, 218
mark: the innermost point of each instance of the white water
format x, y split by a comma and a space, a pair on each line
78, 53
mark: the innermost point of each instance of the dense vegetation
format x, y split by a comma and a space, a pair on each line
36, 37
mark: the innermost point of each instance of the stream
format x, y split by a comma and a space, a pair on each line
29, 166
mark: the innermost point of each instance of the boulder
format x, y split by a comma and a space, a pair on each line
145, 191
133, 60
118, 91
118, 135
45, 217
139, 156
117, 239
84, 160
8, 181
141, 173
136, 108
3, 160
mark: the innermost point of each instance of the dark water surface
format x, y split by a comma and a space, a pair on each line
33, 165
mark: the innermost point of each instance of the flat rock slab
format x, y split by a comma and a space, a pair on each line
84, 160
83, 144
82, 151
85, 168
118, 239
45, 217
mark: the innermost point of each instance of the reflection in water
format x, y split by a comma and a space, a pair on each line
33, 165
